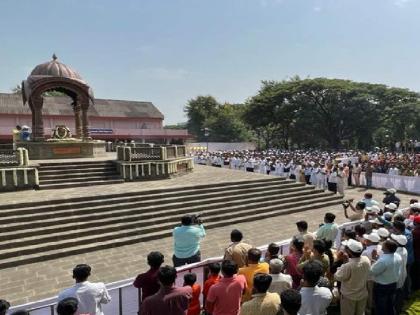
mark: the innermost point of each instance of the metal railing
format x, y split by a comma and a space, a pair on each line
124, 295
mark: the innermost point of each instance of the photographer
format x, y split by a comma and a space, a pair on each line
187, 239
358, 211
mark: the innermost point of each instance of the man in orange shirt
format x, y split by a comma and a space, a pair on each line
253, 267
213, 278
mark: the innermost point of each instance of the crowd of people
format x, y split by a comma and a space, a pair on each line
372, 267
315, 166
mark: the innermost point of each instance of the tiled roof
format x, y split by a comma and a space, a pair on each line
61, 105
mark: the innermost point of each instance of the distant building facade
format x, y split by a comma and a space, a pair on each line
110, 120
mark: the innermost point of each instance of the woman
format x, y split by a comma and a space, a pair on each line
292, 260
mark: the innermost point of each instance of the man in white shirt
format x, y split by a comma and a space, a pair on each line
315, 300
280, 281
90, 295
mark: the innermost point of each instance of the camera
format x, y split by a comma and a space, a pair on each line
196, 219
347, 202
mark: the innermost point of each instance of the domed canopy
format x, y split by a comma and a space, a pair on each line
55, 68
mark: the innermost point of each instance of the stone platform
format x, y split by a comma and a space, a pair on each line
45, 278
64, 149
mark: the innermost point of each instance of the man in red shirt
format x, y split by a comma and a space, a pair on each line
169, 300
225, 296
147, 283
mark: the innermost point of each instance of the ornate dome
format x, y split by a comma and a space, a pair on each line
55, 68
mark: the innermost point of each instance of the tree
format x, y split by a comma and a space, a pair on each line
198, 110
176, 126
226, 124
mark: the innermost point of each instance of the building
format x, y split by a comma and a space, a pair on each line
108, 119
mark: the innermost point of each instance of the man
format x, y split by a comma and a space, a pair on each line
390, 197
254, 266
357, 170
315, 300
373, 249
263, 302
353, 276
401, 240
272, 252
304, 235
16, 136
280, 281
368, 200
368, 175
329, 230
238, 250
224, 297
291, 301
4, 306
415, 273
90, 295
358, 211
187, 238
68, 306
147, 283
169, 299
386, 272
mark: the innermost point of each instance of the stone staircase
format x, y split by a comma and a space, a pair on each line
33, 232
77, 174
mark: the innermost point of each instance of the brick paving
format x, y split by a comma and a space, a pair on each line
44, 279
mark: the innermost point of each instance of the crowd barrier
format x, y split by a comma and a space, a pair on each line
409, 184
125, 297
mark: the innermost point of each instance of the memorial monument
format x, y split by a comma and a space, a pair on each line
56, 76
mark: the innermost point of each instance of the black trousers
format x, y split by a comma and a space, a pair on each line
332, 187
307, 179
384, 297
185, 261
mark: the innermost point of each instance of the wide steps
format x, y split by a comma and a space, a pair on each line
74, 249
103, 210
56, 228
77, 174
78, 222
67, 203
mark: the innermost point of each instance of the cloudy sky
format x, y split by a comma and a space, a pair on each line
169, 51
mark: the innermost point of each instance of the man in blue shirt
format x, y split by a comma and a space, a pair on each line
386, 272
187, 238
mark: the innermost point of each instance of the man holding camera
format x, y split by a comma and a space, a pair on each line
187, 238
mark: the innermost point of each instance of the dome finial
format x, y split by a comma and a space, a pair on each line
54, 56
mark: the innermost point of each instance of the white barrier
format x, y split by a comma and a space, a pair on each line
125, 298
409, 184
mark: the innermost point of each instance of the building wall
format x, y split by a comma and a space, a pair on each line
123, 128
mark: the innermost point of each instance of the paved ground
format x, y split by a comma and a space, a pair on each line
200, 175
41, 280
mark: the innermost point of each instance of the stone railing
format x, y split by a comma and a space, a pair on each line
155, 153
13, 158
15, 172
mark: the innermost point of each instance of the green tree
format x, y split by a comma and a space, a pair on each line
226, 124
198, 110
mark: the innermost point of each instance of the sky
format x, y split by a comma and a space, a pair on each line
170, 51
